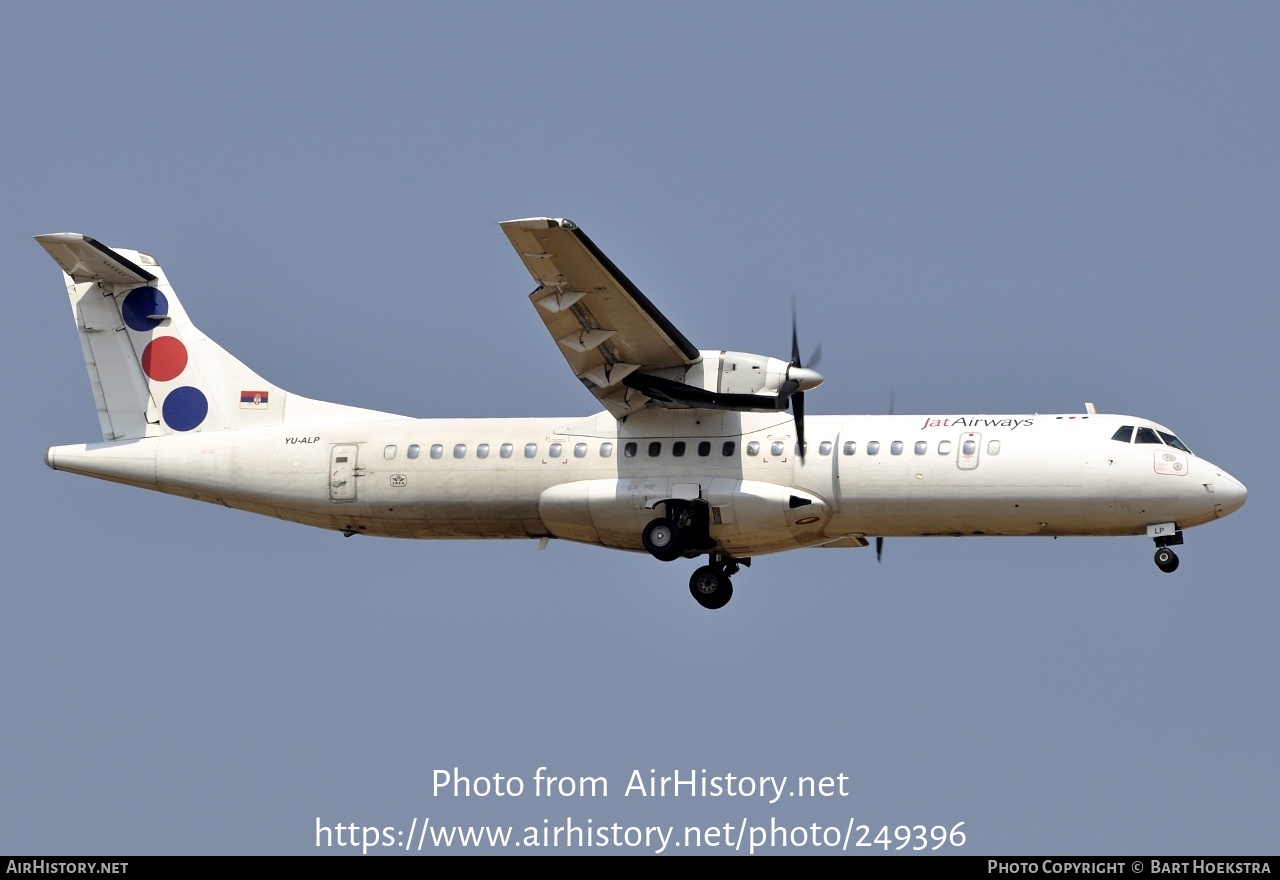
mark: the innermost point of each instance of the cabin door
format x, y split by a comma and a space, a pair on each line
342, 472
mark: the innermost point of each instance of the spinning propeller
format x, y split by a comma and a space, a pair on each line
800, 379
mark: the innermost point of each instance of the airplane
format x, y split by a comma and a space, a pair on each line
695, 453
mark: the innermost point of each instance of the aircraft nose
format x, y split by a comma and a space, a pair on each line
1229, 494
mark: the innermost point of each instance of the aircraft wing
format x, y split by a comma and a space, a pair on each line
605, 327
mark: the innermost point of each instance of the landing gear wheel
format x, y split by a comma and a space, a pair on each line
1166, 559
711, 588
662, 539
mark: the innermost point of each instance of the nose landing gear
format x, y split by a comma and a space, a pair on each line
1166, 559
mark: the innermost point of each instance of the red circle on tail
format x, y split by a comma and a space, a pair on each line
164, 358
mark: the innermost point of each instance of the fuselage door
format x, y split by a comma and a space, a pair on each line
967, 454
342, 472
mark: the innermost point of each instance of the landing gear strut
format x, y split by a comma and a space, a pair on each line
711, 584
1166, 559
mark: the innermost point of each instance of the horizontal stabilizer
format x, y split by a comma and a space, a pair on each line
86, 259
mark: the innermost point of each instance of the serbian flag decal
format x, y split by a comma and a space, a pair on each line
253, 399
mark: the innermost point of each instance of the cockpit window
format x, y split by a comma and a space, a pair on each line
1174, 442
1124, 435
1146, 435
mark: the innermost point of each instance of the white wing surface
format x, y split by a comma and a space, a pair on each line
605, 327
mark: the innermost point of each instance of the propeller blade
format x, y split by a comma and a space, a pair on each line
817, 354
795, 339
879, 548
797, 409
799, 378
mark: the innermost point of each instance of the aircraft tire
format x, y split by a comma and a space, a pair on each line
710, 588
1166, 560
662, 539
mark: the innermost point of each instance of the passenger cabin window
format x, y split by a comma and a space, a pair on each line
850, 447
606, 450
505, 450
704, 448
482, 451
579, 450
389, 452
555, 450
824, 448
629, 450
1124, 435
922, 446
728, 449
413, 450
460, 450
753, 448
677, 448
993, 448
530, 450
969, 447
776, 447
895, 447
1146, 435
655, 449
944, 447
437, 450
873, 448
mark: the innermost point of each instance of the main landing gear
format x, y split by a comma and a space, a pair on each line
711, 584
661, 538
685, 531
1166, 559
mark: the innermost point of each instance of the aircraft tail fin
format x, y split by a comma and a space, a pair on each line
152, 371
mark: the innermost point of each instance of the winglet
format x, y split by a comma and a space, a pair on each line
86, 259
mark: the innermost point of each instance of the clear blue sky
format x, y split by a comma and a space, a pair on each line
985, 207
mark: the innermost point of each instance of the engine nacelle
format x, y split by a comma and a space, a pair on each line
726, 380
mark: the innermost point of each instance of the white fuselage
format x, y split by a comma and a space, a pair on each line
597, 480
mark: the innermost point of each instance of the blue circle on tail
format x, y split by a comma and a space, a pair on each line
185, 408
140, 304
